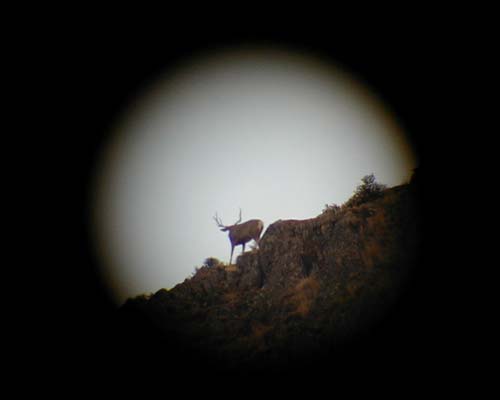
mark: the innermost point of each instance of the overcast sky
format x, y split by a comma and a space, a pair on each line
274, 133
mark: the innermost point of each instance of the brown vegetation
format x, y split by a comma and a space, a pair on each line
309, 287
303, 295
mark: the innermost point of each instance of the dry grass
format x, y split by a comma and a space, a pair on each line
231, 297
375, 239
231, 267
372, 253
377, 223
256, 340
259, 330
303, 295
353, 289
351, 218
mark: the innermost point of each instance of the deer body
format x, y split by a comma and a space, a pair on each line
240, 234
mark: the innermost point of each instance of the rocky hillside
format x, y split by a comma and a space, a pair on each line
312, 289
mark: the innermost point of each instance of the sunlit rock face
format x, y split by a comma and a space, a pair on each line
310, 288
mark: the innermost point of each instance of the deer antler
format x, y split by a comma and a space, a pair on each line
218, 221
239, 220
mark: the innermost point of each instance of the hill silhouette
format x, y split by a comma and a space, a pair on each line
314, 291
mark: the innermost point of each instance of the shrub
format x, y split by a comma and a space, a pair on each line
369, 190
332, 209
212, 262
195, 271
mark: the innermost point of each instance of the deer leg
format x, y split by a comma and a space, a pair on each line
231, 258
243, 248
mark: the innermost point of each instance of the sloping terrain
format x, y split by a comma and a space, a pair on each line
312, 289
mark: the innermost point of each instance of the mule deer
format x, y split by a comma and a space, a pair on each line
241, 233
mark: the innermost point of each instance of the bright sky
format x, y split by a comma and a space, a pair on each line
278, 134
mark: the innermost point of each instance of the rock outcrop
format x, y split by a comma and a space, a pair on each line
311, 288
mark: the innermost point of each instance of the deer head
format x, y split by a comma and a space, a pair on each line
241, 233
